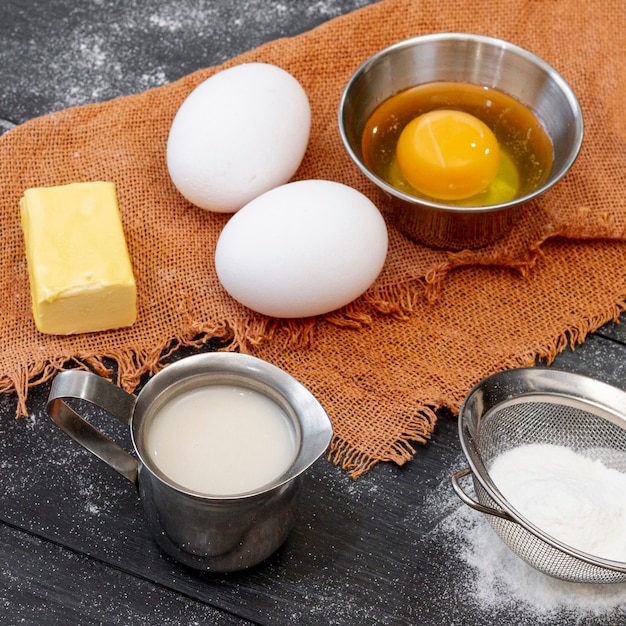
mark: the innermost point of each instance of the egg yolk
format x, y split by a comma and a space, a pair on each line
448, 155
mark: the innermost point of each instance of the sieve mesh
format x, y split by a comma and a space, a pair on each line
551, 422
503, 421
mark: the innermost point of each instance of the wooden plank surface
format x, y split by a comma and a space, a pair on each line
44, 583
394, 547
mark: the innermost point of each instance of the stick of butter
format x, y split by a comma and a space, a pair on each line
81, 278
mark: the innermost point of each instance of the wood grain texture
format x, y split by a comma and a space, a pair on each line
59, 587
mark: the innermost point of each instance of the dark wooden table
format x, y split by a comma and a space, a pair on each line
394, 547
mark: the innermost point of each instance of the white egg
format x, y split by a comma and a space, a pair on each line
238, 134
302, 249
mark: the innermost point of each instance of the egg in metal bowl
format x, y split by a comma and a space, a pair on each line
458, 131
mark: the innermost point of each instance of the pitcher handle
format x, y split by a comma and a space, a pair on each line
103, 394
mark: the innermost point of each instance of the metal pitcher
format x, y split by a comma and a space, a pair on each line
212, 533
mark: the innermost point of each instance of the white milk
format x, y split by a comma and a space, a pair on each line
221, 440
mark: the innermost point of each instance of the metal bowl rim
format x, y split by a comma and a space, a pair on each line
475, 38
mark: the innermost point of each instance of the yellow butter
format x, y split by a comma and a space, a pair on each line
81, 278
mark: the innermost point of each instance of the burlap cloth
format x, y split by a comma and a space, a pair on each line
434, 323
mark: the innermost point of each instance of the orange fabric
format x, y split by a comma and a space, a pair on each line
434, 323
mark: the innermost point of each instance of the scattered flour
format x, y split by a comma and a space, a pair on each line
493, 580
99, 50
64, 461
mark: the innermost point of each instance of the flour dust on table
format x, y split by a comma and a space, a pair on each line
100, 49
494, 580
67, 465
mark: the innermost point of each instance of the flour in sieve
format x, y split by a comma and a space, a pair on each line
493, 584
575, 499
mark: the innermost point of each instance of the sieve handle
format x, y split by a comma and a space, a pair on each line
455, 478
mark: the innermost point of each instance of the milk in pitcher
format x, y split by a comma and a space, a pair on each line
221, 440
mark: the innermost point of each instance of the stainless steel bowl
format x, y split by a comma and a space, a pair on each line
476, 59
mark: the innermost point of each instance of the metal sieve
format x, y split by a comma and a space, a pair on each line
533, 405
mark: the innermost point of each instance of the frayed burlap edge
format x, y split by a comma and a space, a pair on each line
128, 367
420, 428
